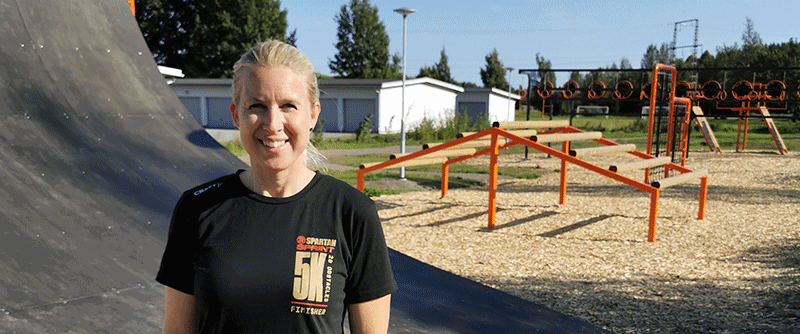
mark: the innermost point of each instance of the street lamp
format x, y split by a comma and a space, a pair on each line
508, 111
403, 11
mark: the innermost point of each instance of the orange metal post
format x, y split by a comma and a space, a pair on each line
360, 180
746, 123
651, 231
562, 187
445, 172
701, 211
493, 180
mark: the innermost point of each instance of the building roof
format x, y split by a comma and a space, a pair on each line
491, 90
388, 83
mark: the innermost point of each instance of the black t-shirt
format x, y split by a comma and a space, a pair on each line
260, 264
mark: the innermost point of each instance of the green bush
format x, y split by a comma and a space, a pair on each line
364, 128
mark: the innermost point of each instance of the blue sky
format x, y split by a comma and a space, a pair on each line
571, 34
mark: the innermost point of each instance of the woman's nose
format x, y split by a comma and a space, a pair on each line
273, 121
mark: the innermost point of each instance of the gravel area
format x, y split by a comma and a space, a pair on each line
737, 271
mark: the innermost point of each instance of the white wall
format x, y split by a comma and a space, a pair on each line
423, 100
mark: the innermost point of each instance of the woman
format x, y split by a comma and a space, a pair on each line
277, 248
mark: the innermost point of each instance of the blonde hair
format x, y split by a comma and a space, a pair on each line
272, 53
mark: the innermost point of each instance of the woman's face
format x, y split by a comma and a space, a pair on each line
275, 116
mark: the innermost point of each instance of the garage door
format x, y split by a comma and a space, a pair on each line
330, 113
355, 110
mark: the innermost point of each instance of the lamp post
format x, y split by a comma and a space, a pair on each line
508, 111
403, 11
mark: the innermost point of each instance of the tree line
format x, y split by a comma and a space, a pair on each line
205, 37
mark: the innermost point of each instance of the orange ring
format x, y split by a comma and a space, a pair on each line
711, 90
592, 93
645, 93
620, 96
683, 88
780, 96
522, 93
742, 94
544, 93
570, 88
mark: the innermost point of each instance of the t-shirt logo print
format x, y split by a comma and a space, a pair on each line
313, 268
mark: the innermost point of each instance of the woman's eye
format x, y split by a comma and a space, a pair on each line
256, 106
289, 105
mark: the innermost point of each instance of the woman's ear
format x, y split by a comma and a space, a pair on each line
315, 110
234, 114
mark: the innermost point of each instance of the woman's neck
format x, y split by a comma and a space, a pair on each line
276, 184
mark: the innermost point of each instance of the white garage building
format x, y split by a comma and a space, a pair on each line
346, 102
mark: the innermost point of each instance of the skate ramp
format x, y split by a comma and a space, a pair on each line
96, 151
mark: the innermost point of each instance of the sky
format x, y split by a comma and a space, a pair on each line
570, 34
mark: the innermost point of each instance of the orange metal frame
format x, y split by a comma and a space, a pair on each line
513, 140
563, 155
741, 133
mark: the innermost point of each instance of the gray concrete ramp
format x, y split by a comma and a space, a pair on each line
97, 149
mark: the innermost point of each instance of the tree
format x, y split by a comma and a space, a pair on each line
439, 71
204, 38
494, 75
363, 46
655, 55
750, 37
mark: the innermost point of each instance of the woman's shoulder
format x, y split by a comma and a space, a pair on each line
214, 188
341, 188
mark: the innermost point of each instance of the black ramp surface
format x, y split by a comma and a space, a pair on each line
97, 149
431, 300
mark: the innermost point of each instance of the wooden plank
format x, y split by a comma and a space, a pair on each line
708, 134
641, 164
520, 133
450, 152
408, 163
582, 152
469, 144
562, 137
773, 130
531, 124
678, 179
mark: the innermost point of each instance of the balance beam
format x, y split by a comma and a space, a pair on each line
562, 137
531, 124
469, 144
520, 133
452, 152
409, 163
582, 152
641, 164
678, 179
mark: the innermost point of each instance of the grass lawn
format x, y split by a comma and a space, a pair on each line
624, 130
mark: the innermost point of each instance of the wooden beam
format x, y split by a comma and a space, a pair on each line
678, 179
520, 133
641, 164
452, 152
531, 124
582, 152
408, 163
469, 144
562, 137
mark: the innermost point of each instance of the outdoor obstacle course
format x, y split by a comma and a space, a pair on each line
714, 93
534, 134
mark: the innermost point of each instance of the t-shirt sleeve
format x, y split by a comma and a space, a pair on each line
370, 274
177, 263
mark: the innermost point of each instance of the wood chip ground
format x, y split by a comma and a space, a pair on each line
737, 271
